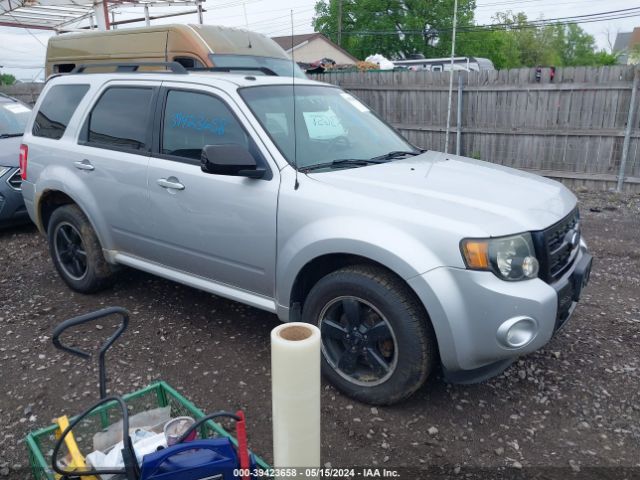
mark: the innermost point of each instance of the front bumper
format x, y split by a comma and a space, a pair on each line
12, 209
468, 308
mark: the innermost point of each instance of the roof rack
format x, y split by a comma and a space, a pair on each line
265, 70
173, 67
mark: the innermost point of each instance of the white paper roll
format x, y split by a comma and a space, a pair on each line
295, 377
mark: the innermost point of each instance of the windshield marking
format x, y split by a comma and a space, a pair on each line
187, 120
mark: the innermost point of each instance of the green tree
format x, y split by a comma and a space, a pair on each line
518, 43
602, 57
394, 28
397, 28
634, 54
7, 79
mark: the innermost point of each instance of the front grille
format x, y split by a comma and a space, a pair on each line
15, 180
557, 246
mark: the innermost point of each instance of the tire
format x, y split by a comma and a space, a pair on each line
76, 251
385, 355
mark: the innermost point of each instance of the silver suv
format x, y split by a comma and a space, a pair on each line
313, 209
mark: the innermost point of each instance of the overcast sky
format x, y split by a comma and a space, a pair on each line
22, 52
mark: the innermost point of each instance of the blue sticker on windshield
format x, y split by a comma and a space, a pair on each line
214, 125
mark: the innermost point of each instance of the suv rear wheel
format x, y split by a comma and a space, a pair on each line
377, 344
76, 251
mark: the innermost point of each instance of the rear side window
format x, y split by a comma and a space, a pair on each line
188, 62
63, 67
57, 109
121, 119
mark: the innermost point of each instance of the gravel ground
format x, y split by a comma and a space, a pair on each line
570, 410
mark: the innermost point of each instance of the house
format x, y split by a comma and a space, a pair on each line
311, 47
625, 41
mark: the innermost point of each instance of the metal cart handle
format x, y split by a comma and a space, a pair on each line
131, 469
123, 313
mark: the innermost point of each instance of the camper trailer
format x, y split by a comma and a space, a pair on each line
193, 46
468, 64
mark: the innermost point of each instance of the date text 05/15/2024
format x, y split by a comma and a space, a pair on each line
346, 473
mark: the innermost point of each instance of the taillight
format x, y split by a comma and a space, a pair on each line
24, 154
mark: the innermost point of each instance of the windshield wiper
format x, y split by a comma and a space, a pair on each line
396, 154
346, 162
360, 162
9, 135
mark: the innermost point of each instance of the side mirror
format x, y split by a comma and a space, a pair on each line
233, 159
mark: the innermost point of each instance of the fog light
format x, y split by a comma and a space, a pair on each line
517, 332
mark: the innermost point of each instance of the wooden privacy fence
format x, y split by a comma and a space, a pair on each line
26, 92
572, 127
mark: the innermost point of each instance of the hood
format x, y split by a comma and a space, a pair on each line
10, 151
496, 200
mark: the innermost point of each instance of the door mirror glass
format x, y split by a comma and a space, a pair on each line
231, 159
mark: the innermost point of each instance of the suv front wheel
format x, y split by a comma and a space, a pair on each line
76, 251
377, 344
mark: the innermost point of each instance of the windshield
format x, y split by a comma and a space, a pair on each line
280, 66
330, 126
13, 118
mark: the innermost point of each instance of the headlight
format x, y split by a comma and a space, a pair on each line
510, 258
4, 170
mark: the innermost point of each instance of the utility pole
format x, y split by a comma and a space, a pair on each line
339, 23
200, 16
453, 54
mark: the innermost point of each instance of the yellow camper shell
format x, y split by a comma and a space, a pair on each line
193, 46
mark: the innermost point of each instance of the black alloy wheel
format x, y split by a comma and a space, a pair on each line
378, 345
357, 341
76, 251
70, 251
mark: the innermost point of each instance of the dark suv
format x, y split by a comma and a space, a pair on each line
14, 116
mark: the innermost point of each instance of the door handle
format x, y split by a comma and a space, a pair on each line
171, 183
84, 165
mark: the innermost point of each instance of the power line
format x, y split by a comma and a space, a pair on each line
269, 11
28, 30
587, 18
37, 74
279, 25
270, 21
307, 23
636, 9
234, 3
512, 2
545, 23
517, 4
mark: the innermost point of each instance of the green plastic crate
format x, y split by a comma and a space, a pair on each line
160, 394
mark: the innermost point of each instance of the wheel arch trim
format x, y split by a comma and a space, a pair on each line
81, 197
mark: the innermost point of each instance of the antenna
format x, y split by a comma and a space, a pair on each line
293, 89
246, 23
